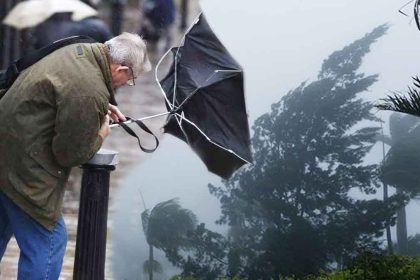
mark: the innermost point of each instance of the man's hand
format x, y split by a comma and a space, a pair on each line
115, 114
104, 130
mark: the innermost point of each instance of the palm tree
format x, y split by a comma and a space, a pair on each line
400, 166
151, 266
408, 105
166, 226
386, 196
413, 245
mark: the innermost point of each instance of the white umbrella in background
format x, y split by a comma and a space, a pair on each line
31, 13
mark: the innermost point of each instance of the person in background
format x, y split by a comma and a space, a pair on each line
60, 25
158, 17
56, 116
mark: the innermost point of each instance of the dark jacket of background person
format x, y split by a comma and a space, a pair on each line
161, 13
158, 16
60, 103
60, 26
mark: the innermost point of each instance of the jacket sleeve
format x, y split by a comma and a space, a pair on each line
77, 124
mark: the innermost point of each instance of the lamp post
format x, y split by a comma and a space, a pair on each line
89, 263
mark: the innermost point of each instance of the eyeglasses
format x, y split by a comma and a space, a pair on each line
131, 82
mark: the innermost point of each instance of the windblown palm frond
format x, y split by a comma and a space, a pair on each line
404, 104
167, 225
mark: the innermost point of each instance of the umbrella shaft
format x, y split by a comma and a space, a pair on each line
141, 119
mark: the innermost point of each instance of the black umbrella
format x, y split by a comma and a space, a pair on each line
416, 11
204, 94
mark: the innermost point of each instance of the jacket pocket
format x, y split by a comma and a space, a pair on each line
45, 158
39, 179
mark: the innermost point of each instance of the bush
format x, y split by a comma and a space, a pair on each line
373, 266
369, 266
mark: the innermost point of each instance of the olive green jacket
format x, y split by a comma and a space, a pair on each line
49, 122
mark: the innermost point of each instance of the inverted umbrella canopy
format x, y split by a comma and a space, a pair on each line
31, 13
204, 94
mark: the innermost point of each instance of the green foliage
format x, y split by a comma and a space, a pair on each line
401, 165
219, 278
182, 278
372, 266
291, 213
204, 258
414, 245
369, 266
156, 266
173, 229
404, 104
167, 225
376, 266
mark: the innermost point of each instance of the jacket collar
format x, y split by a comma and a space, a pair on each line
102, 57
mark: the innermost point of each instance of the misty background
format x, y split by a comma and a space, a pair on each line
279, 44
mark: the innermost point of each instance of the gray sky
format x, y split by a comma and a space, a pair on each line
282, 43
279, 44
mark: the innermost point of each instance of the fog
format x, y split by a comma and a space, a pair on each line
279, 44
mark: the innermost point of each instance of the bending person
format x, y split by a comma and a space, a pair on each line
56, 116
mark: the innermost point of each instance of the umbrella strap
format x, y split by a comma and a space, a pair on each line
145, 128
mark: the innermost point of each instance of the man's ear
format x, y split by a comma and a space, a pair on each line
122, 68
116, 68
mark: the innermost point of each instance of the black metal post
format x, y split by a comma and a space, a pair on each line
89, 263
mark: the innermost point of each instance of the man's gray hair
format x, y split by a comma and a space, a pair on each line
130, 50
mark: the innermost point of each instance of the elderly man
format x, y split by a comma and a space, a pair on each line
55, 116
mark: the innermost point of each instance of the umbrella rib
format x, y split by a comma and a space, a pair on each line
172, 105
228, 70
182, 41
195, 91
211, 141
179, 119
158, 82
210, 76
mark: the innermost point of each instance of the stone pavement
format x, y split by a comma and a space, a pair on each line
144, 99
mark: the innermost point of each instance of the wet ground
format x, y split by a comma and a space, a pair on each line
142, 100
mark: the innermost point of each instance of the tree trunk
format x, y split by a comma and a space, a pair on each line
151, 262
402, 232
388, 228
